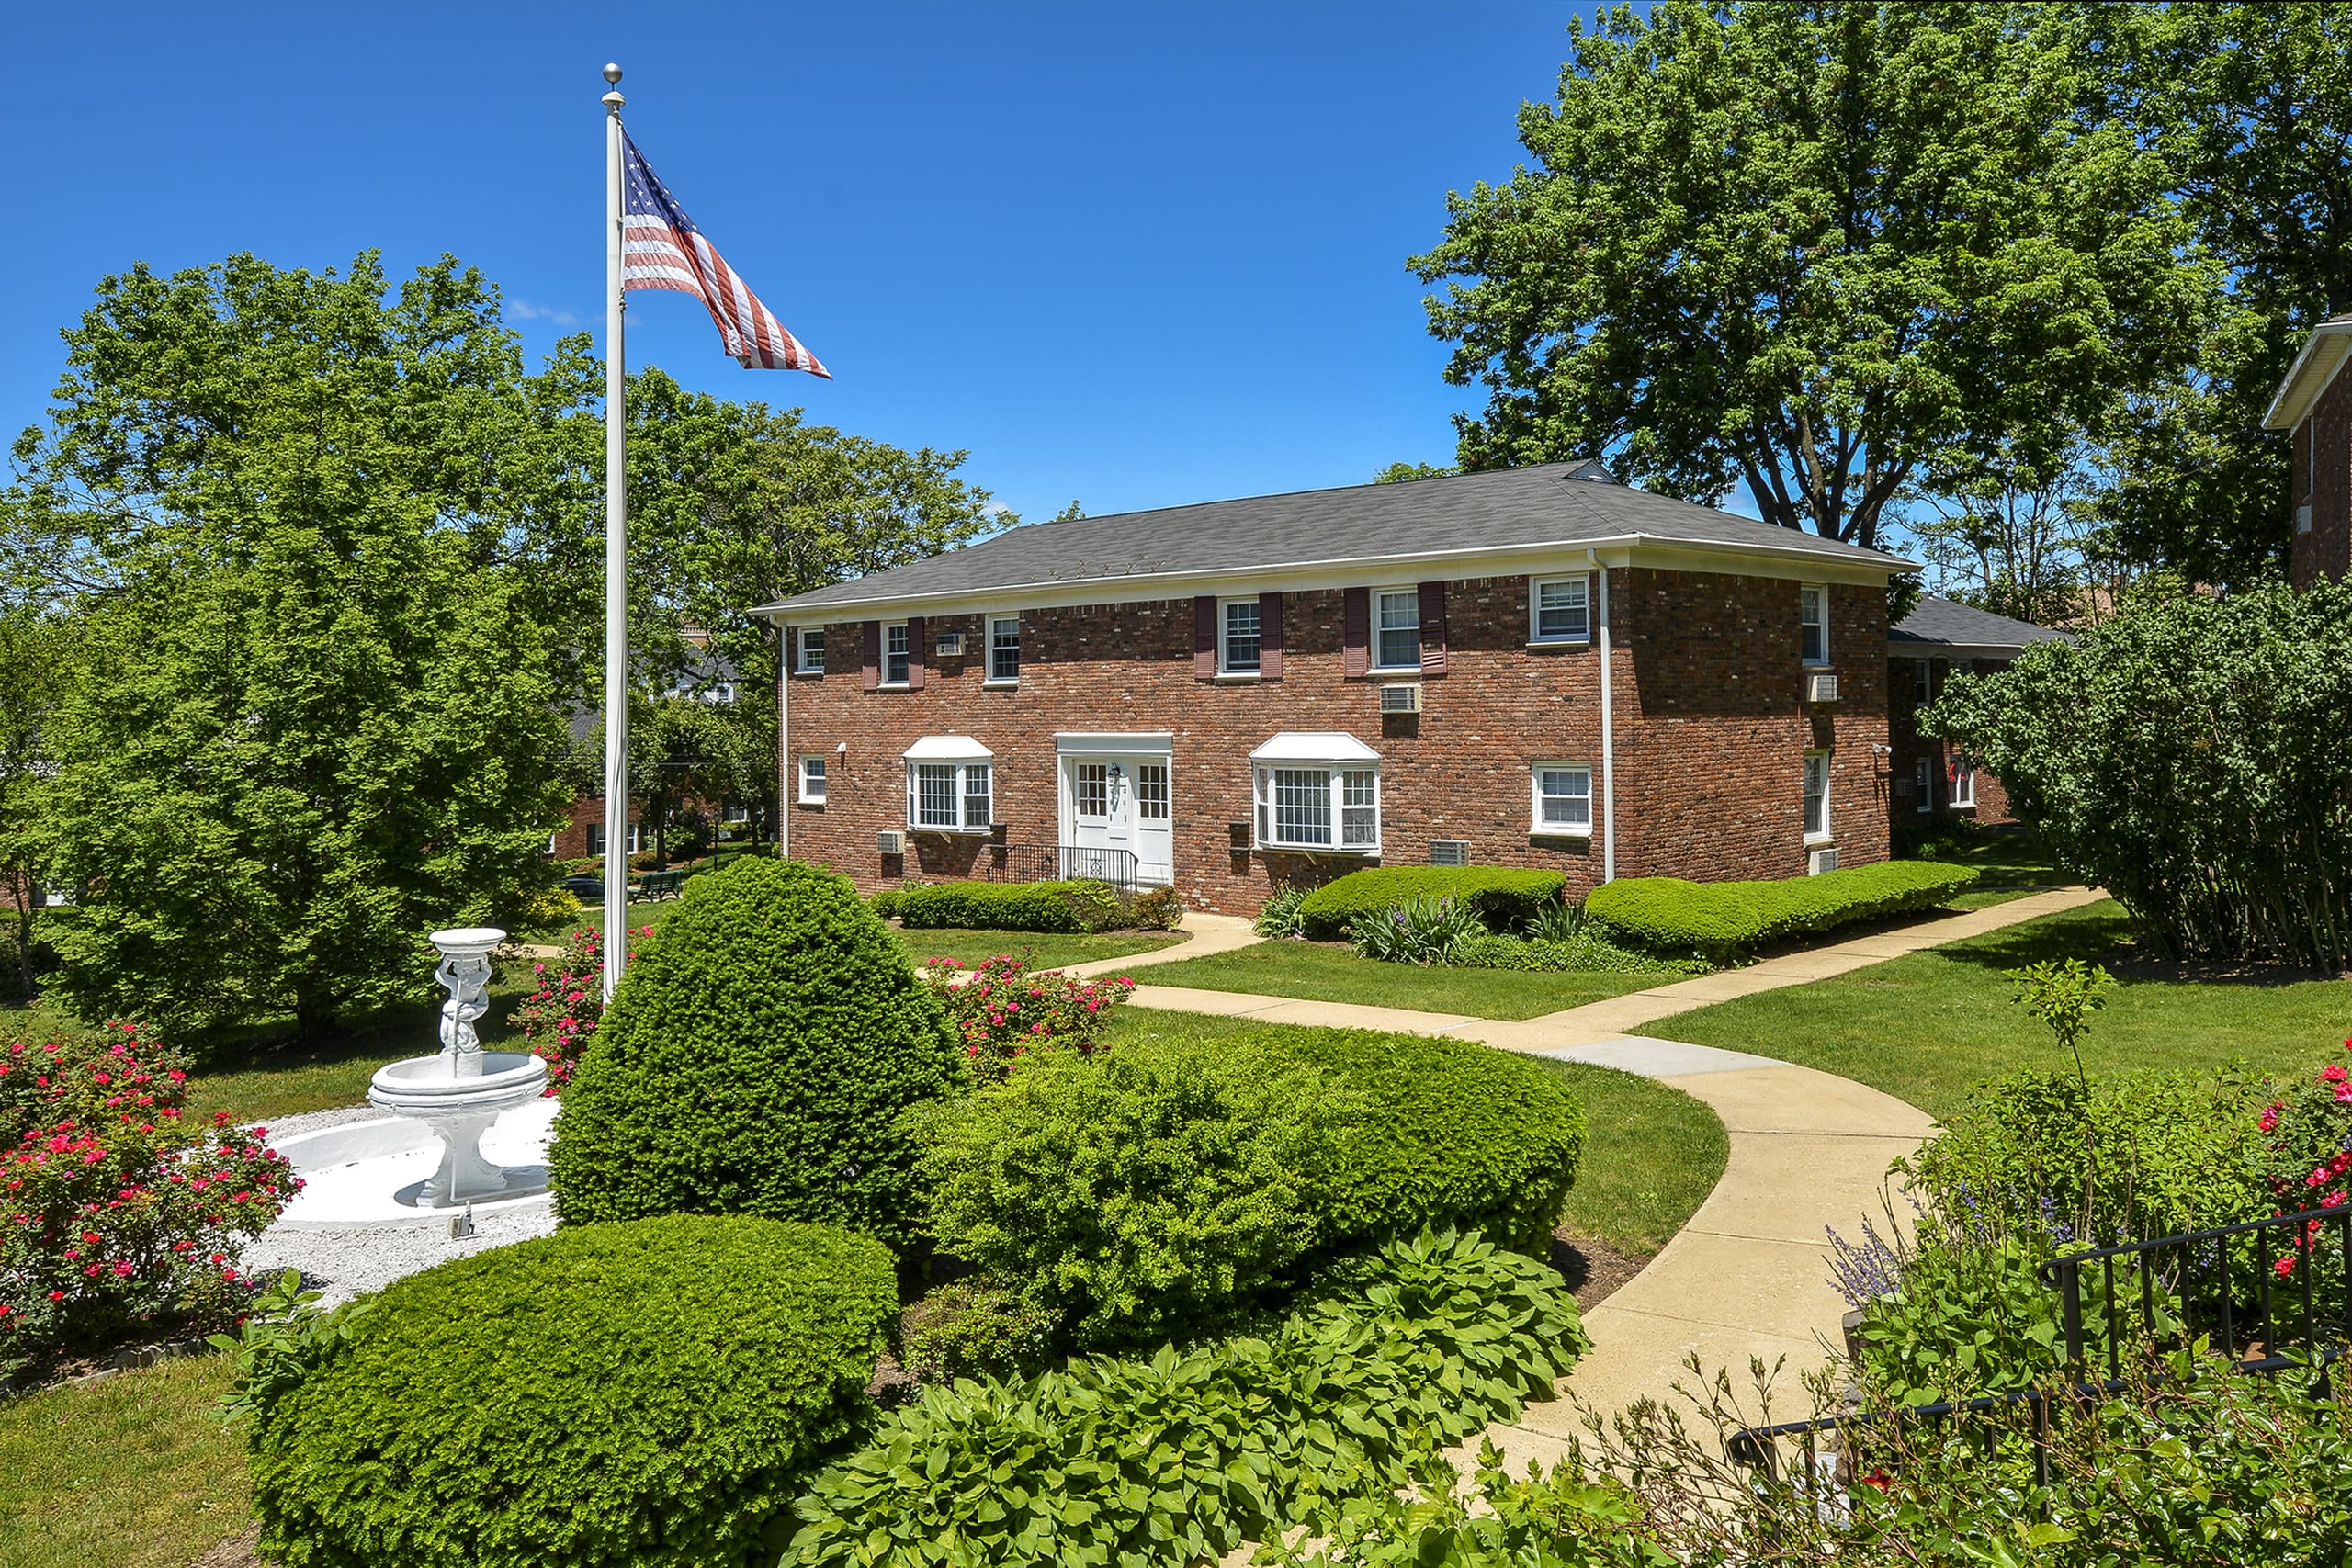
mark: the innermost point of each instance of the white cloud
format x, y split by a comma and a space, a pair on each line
524, 310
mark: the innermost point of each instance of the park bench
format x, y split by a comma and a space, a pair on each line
661, 884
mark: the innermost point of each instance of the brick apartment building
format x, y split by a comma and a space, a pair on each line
1534, 667
2315, 401
1933, 780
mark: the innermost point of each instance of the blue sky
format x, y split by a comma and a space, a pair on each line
1132, 255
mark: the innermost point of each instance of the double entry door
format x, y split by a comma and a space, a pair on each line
1116, 803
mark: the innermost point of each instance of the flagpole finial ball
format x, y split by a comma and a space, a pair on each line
613, 74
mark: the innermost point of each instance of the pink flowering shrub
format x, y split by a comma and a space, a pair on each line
2307, 1136
1001, 1012
560, 1015
119, 1217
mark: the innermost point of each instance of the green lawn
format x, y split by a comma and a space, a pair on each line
1331, 972
1925, 1027
130, 1470
1038, 949
1652, 1152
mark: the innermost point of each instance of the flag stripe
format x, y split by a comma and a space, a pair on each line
661, 248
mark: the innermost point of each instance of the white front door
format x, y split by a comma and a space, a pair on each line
1114, 806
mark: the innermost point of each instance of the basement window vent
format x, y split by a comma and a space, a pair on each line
1448, 852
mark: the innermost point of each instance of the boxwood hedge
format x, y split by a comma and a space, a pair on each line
1505, 899
1723, 920
756, 1060
610, 1396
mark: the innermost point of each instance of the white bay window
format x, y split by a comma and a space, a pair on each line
950, 785
1316, 790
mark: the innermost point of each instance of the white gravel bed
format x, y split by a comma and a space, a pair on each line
347, 1263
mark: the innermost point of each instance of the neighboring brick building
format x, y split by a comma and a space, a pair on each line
1933, 780
1248, 692
2315, 403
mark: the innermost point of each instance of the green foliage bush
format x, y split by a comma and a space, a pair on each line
1505, 899
2236, 848
1723, 920
638, 1394
1559, 1520
885, 903
756, 1060
1077, 905
1179, 1458
1589, 949
1154, 1190
1279, 915
969, 1329
1422, 930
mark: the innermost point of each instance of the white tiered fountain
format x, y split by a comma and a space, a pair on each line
458, 1118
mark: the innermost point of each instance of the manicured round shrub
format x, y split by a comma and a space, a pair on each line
610, 1396
1724, 919
1504, 897
757, 1059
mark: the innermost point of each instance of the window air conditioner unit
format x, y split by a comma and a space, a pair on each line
1403, 697
2303, 518
1818, 860
890, 843
1820, 688
951, 645
1448, 852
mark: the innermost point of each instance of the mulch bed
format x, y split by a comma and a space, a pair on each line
1594, 1269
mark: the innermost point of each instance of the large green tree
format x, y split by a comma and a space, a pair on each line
34, 667
310, 521
1814, 248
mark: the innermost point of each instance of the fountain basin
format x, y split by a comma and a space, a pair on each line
457, 1097
363, 1174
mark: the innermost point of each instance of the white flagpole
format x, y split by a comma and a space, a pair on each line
615, 564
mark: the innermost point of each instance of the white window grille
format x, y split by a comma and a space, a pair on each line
1559, 610
894, 655
1151, 791
1397, 633
1923, 779
1563, 797
1816, 795
947, 797
1238, 647
1004, 648
812, 781
1093, 790
812, 651
1318, 808
1923, 680
1813, 617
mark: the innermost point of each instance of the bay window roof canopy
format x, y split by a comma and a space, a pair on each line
1328, 747
948, 749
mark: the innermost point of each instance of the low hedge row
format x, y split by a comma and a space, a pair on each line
650, 1392
1723, 920
1505, 899
1074, 905
1183, 1457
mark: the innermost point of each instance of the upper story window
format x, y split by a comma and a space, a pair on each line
1238, 645
810, 656
894, 654
1923, 779
1004, 648
1558, 610
1397, 629
1813, 618
1923, 680
1563, 797
1816, 795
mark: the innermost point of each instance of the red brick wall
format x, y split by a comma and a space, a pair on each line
1992, 800
572, 843
1711, 732
2327, 550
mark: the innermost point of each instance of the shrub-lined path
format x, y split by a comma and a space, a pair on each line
1748, 1275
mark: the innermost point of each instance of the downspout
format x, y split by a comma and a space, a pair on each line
1607, 737
784, 749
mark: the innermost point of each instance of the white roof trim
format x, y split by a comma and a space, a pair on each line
1314, 746
2308, 378
1067, 741
948, 749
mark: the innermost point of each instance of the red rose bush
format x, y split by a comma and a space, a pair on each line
560, 1015
1001, 1012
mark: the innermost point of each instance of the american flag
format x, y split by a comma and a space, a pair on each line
661, 248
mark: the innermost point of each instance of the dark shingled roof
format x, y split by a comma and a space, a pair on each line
1945, 625
1505, 509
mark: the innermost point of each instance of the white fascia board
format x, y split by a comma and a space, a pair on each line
1314, 746
1794, 562
2323, 353
947, 748
1148, 741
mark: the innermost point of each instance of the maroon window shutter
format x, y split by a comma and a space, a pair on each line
1355, 631
1204, 638
1270, 636
873, 654
1432, 628
916, 651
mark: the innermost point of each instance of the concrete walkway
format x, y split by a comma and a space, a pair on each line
1208, 934
1748, 1275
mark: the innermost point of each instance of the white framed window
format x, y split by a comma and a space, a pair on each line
596, 839
1004, 650
1238, 648
1964, 782
808, 650
551, 839
735, 812
894, 654
1559, 610
1318, 808
1816, 795
1151, 791
1923, 779
1813, 622
1563, 797
1923, 680
949, 798
1396, 628
1091, 791
812, 781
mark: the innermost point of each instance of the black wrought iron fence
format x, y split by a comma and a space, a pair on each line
1061, 862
